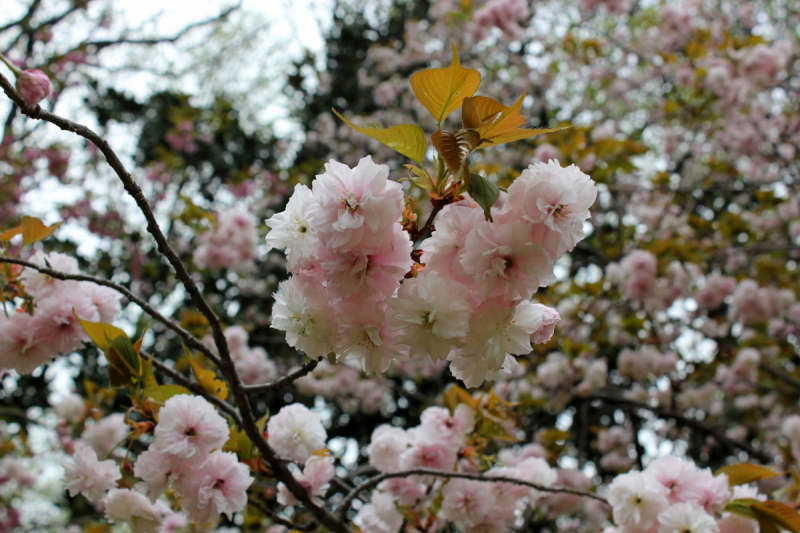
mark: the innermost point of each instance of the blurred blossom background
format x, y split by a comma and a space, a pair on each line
679, 312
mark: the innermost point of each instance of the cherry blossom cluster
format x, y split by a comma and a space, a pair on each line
232, 244
673, 494
471, 303
30, 340
185, 456
296, 434
437, 443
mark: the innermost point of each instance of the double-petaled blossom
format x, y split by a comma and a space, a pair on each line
295, 433
301, 310
232, 243
85, 474
431, 312
189, 428
315, 479
637, 499
134, 509
353, 206
28, 341
291, 230
218, 487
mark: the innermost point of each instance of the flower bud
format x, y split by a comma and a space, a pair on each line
33, 85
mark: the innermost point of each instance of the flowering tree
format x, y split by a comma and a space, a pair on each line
584, 325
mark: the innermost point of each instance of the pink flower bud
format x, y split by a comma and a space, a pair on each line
33, 85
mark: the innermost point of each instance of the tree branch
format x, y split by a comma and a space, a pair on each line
311, 526
159, 40
720, 436
376, 480
190, 339
226, 367
198, 389
286, 380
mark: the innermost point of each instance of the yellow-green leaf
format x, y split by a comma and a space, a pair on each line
100, 332
34, 230
206, 378
742, 507
9, 234
745, 473
779, 514
517, 135
496, 123
454, 395
173, 390
443, 90
119, 373
422, 178
151, 388
408, 139
245, 445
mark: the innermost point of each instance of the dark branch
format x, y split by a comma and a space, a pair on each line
311, 526
376, 480
226, 367
286, 380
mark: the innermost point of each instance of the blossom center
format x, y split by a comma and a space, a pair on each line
350, 202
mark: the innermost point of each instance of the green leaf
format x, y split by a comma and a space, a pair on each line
100, 332
484, 192
745, 473
245, 445
408, 139
123, 346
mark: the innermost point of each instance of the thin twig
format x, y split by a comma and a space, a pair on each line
286, 380
374, 481
159, 40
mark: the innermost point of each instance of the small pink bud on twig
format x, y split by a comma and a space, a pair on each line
33, 85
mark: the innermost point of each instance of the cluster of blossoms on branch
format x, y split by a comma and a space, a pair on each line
185, 456
28, 340
445, 441
673, 494
470, 304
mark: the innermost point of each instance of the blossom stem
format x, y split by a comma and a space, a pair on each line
10, 65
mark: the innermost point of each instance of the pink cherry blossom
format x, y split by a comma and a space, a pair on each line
189, 428
219, 487
295, 433
84, 474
